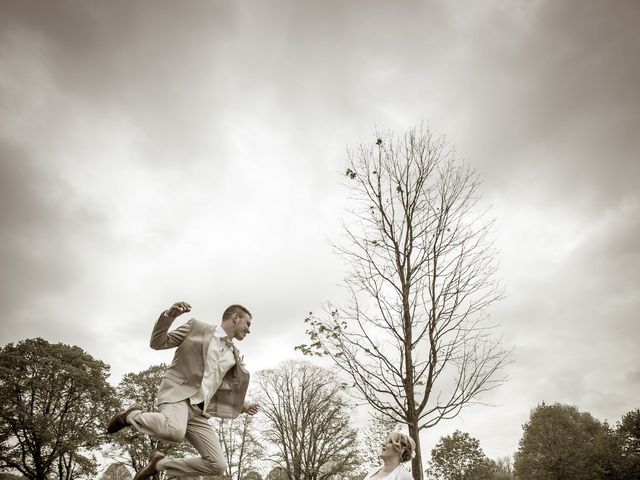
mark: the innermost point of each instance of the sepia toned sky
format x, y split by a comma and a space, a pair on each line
160, 151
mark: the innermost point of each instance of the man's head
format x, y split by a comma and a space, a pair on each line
236, 321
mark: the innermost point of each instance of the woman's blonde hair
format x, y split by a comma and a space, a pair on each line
402, 444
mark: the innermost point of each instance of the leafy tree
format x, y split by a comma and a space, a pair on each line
277, 473
252, 475
307, 421
414, 338
10, 476
54, 402
116, 471
76, 464
561, 443
132, 447
240, 442
628, 432
459, 457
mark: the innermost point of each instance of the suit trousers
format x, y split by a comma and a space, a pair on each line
175, 422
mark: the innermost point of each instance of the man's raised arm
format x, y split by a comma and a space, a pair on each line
161, 337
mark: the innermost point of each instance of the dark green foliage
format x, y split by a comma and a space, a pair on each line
252, 475
10, 476
628, 432
277, 473
561, 443
116, 471
54, 402
459, 457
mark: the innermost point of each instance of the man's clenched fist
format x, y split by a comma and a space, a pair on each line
178, 309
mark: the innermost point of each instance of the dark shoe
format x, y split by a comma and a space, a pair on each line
119, 420
150, 470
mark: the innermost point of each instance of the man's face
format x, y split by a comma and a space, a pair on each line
242, 323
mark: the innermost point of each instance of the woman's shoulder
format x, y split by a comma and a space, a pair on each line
400, 473
371, 473
403, 473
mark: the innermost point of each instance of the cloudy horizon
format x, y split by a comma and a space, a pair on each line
161, 151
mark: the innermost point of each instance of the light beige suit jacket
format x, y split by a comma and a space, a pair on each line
183, 377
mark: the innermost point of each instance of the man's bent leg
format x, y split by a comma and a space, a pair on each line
169, 423
205, 440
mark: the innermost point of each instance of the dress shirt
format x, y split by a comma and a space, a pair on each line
220, 359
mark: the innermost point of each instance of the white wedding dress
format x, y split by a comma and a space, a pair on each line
399, 473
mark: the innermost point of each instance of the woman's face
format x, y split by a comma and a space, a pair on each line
388, 451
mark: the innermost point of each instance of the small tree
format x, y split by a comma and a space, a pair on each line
116, 471
459, 457
54, 402
277, 473
414, 339
307, 421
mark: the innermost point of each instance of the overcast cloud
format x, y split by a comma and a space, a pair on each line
161, 151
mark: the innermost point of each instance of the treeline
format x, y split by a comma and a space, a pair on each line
55, 400
558, 443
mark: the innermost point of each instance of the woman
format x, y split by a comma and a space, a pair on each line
397, 449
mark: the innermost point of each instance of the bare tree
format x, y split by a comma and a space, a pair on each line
307, 421
242, 447
414, 338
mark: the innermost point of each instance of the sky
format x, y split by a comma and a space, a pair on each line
159, 151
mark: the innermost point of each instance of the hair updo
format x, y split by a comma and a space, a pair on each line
403, 444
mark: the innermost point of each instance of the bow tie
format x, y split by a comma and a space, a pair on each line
236, 355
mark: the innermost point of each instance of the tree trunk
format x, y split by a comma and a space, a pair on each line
416, 462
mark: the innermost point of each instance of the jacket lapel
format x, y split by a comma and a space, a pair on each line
236, 355
206, 340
